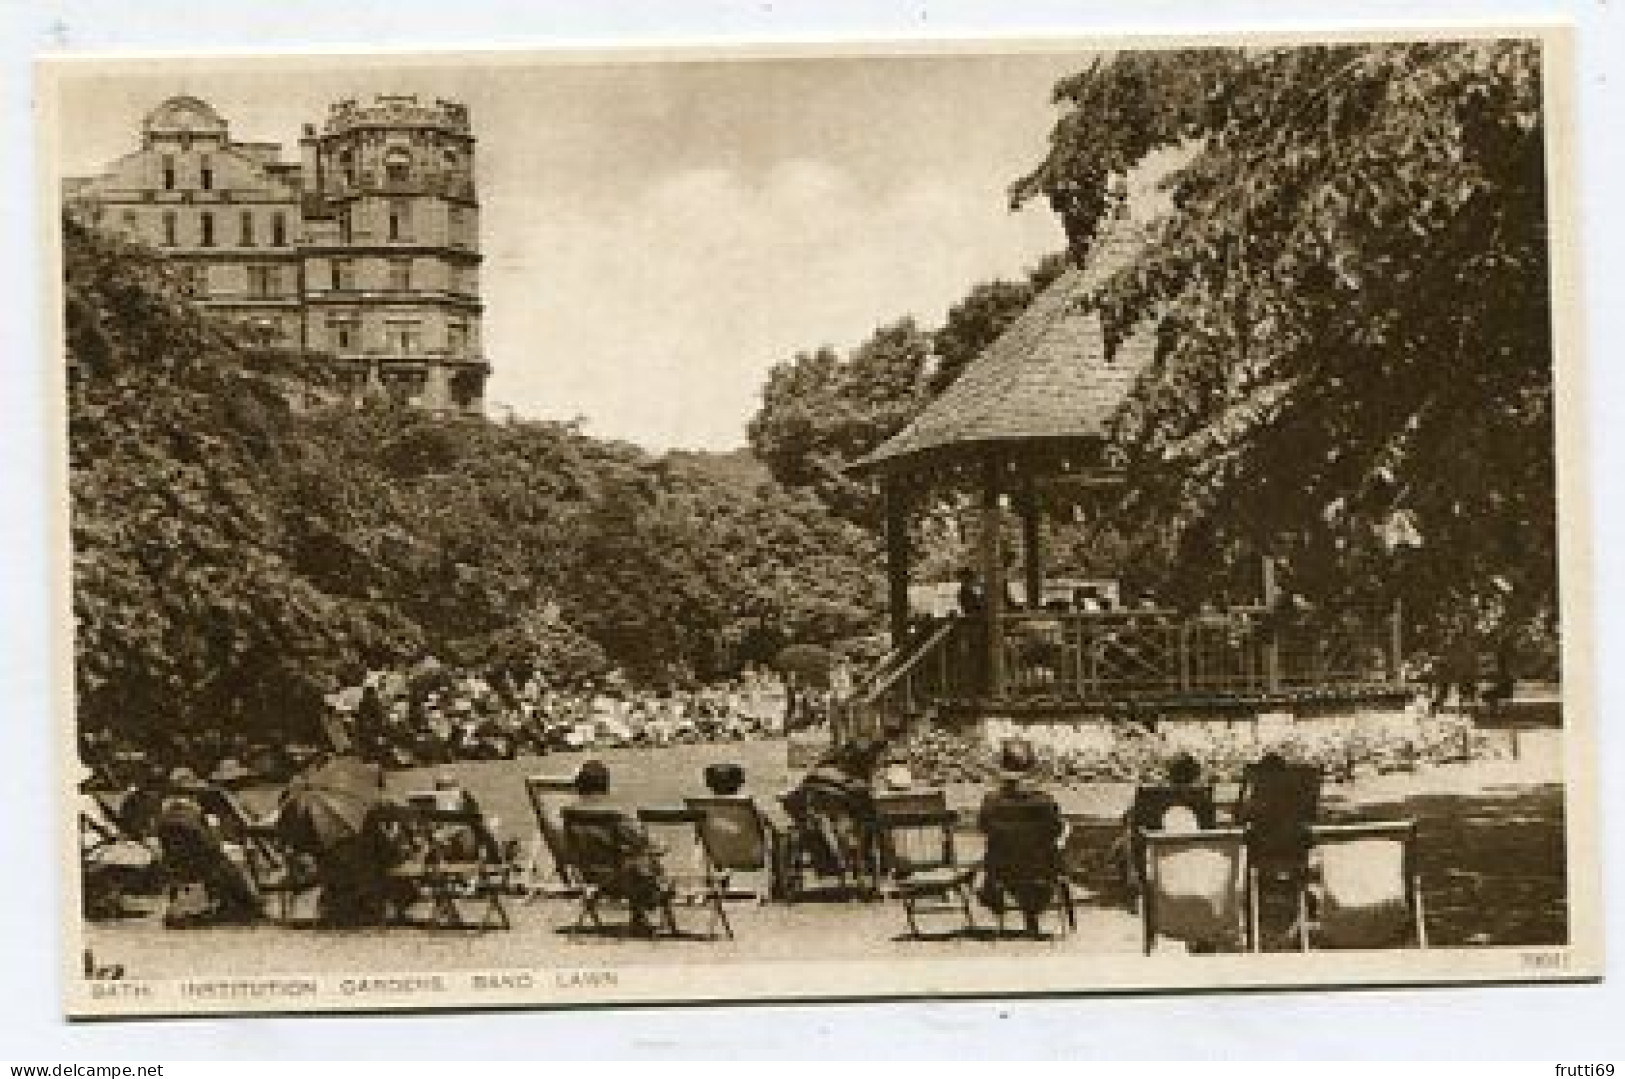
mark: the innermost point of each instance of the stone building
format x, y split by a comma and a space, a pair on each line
365, 250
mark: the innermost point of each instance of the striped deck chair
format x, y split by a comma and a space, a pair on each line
916, 847
742, 844
1366, 889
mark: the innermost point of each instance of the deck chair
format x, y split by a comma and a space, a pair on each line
916, 847
1197, 888
1025, 840
922, 800
692, 878
741, 842
280, 874
112, 860
548, 871
610, 869
1367, 891
454, 859
1149, 812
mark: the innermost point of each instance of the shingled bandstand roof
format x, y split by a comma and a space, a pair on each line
1048, 384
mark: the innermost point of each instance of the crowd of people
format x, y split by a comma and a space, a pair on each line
335, 826
432, 714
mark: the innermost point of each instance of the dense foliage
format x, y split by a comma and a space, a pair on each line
1355, 368
236, 557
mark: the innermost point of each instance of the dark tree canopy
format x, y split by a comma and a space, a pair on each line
236, 557
1355, 367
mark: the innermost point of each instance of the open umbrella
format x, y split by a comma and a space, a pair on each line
810, 663
328, 805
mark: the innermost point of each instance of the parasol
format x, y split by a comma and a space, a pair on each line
329, 804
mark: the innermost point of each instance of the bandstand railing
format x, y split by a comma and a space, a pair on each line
1109, 655
1091, 658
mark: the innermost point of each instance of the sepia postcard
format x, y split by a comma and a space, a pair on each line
737, 523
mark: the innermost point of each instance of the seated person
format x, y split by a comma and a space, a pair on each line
1277, 806
456, 842
833, 807
640, 879
1022, 859
1184, 789
207, 886
113, 861
725, 780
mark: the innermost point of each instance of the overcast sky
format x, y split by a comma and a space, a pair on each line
657, 235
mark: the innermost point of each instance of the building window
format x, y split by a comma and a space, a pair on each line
247, 238
206, 225
343, 274
347, 167
457, 338
129, 221
404, 336
457, 226
398, 167
346, 234
169, 173
342, 332
400, 275
194, 281
206, 173
279, 229
264, 282
400, 219
169, 228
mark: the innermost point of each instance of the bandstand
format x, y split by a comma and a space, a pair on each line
1026, 424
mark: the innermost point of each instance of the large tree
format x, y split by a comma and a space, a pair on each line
1355, 362
236, 557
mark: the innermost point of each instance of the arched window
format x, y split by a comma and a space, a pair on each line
398, 166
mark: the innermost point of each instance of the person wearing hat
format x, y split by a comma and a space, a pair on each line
642, 881
1012, 853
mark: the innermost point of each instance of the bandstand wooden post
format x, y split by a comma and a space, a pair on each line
992, 576
1032, 554
896, 510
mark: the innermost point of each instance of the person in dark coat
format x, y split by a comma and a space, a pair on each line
206, 886
833, 806
1020, 860
642, 881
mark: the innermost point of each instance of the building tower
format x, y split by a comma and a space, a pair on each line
391, 254
364, 253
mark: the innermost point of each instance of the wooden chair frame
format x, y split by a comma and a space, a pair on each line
1404, 832
443, 881
918, 881
1233, 838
